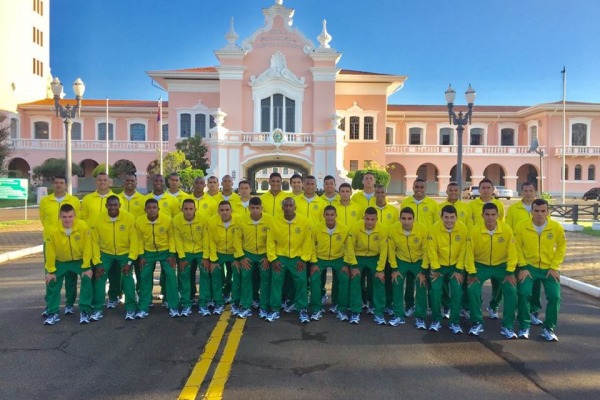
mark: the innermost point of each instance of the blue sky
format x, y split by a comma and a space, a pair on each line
511, 51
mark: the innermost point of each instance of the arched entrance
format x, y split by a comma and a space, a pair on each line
258, 173
527, 173
398, 178
87, 166
429, 173
466, 175
18, 168
495, 173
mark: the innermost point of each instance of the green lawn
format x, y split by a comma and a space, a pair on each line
20, 222
16, 203
587, 228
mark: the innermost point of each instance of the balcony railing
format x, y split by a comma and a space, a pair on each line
578, 151
441, 149
85, 145
262, 138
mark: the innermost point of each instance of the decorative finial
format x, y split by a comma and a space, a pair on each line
279, 2
232, 35
324, 38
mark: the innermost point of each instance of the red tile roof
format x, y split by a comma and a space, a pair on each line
433, 108
100, 103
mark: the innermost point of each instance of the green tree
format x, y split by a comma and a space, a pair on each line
123, 167
5, 149
187, 178
381, 178
174, 161
102, 168
54, 167
195, 151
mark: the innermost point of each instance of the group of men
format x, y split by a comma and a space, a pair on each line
273, 252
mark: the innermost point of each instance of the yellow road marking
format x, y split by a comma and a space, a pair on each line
192, 386
217, 383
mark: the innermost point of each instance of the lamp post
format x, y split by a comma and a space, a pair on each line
68, 113
535, 148
460, 121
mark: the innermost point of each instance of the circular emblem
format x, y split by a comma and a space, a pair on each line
198, 228
298, 230
376, 237
500, 239
353, 213
277, 137
338, 237
122, 228
425, 209
205, 205
162, 230
416, 240
550, 236
457, 238
77, 237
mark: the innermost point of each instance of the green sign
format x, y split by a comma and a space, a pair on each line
13, 189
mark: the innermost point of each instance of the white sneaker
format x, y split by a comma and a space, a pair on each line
96, 316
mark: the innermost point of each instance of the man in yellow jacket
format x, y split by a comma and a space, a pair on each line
273, 199
492, 254
330, 246
348, 211
167, 203
221, 230
408, 256
156, 242
115, 246
189, 228
446, 247
541, 247
366, 197
251, 260
366, 253
68, 248
289, 249
132, 201
49, 216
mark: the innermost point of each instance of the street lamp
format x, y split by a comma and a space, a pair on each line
68, 113
535, 148
460, 121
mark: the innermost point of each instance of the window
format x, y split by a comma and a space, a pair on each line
566, 173
185, 125
165, 132
422, 171
446, 136
137, 132
275, 169
102, 131
38, 67
368, 128
591, 173
579, 134
200, 125
507, 137
41, 130
277, 111
532, 134
14, 128
264, 171
389, 135
354, 128
264, 185
578, 172
415, 136
286, 170
76, 131
353, 165
476, 137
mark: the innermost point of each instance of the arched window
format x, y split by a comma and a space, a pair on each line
579, 134
446, 136
102, 131
476, 137
415, 136
507, 137
41, 130
185, 125
577, 172
533, 133
137, 132
368, 128
14, 128
389, 135
76, 131
354, 128
278, 111
264, 185
566, 173
165, 132
591, 172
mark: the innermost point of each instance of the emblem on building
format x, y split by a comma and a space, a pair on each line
277, 137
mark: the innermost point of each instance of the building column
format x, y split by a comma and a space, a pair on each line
410, 180
511, 182
443, 181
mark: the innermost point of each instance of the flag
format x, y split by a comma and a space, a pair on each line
159, 111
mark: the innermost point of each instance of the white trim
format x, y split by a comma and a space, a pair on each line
356, 111
423, 126
509, 125
199, 108
580, 120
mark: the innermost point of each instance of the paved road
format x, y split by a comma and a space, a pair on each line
152, 359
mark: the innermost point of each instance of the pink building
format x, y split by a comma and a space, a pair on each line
279, 100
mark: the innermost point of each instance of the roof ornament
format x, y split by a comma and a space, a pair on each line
279, 2
324, 38
232, 35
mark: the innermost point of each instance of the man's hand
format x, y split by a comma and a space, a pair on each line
459, 277
172, 262
354, 272
126, 268
88, 272
300, 265
472, 279
435, 275
49, 278
554, 274
265, 264
213, 266
345, 270
380, 275
276, 266
511, 279
206, 264
245, 263
182, 265
98, 272
236, 265
313, 269
422, 279
523, 274
142, 263
395, 275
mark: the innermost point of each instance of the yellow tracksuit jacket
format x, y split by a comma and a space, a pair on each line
134, 205
60, 247
50, 208
491, 250
221, 238
167, 204
329, 247
477, 210
290, 239
205, 205
180, 196
349, 214
427, 211
93, 205
361, 243
541, 251
410, 248
463, 211
388, 214
157, 236
360, 198
447, 248
189, 235
251, 237
272, 204
517, 213
234, 199
330, 202
116, 237
312, 210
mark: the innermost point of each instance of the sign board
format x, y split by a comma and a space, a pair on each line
13, 189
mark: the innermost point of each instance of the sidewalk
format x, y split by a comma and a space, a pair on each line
582, 261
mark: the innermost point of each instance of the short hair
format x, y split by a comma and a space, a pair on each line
244, 182
274, 175
188, 201
452, 184
489, 206
158, 176
329, 178
419, 180
369, 173
290, 199
539, 202
297, 176
486, 180
329, 208
59, 177
407, 210
113, 197
224, 203
131, 174
370, 211
311, 177
380, 187
255, 201
345, 184
172, 174
65, 208
199, 178
101, 174
526, 184
213, 177
450, 209
150, 201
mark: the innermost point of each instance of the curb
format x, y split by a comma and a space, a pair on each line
579, 286
14, 255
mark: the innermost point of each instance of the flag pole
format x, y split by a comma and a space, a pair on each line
564, 133
160, 136
107, 131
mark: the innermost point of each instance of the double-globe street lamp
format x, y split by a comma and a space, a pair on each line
68, 113
460, 121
